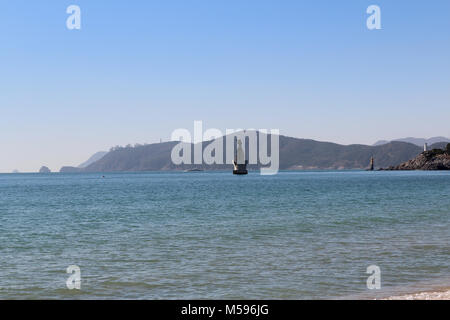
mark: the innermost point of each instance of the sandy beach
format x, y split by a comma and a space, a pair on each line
438, 295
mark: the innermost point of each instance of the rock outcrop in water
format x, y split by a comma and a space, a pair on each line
436, 159
44, 169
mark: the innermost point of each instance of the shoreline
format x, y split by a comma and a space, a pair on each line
426, 295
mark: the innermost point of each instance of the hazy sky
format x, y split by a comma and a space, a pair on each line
137, 70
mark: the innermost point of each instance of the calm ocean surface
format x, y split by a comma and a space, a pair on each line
296, 235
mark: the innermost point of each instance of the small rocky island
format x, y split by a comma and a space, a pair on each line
436, 159
44, 169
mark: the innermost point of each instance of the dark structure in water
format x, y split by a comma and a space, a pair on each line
240, 164
371, 166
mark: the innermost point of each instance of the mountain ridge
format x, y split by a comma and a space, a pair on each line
95, 157
417, 141
295, 154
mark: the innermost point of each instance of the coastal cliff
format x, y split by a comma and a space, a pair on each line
436, 159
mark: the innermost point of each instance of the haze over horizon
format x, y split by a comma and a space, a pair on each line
134, 73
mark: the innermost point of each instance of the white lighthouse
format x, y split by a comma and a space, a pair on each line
425, 147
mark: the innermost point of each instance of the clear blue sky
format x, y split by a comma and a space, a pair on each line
137, 70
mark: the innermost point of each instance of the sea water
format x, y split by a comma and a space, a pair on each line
212, 235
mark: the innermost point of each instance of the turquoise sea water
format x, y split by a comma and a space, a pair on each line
296, 235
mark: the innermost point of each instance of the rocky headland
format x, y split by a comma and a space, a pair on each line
436, 159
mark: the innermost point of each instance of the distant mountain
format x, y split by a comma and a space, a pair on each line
417, 141
294, 154
439, 145
68, 169
95, 157
380, 142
